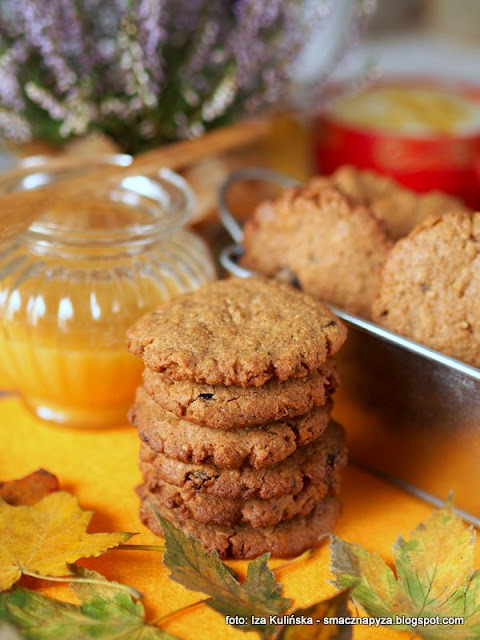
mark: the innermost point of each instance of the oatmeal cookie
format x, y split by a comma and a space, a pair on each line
257, 447
237, 332
322, 241
430, 288
309, 464
286, 539
399, 208
187, 503
231, 407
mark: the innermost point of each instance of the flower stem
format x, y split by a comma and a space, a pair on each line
187, 607
139, 547
104, 583
289, 563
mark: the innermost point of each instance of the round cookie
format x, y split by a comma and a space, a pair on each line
318, 238
237, 332
187, 503
258, 446
283, 540
430, 288
311, 464
399, 208
235, 406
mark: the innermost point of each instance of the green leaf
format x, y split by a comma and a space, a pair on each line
105, 613
257, 598
333, 607
433, 578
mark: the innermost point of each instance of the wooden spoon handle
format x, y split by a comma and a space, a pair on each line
19, 209
182, 154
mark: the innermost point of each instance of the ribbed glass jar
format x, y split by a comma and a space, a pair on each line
84, 271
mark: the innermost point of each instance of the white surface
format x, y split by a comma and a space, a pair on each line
326, 41
417, 53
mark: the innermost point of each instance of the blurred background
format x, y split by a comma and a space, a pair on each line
93, 77
436, 37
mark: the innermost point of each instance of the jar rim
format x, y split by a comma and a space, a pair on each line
159, 204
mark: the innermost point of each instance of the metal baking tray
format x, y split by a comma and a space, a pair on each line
412, 414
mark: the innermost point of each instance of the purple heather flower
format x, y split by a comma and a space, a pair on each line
147, 71
41, 22
248, 44
150, 19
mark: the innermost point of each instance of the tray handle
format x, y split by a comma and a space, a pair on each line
229, 260
248, 173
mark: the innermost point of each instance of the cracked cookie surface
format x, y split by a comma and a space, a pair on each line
316, 236
257, 447
237, 332
187, 503
399, 208
430, 287
224, 407
286, 539
310, 464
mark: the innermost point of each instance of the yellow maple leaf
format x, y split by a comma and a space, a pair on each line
47, 536
432, 590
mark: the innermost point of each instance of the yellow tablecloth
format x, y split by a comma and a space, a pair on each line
100, 467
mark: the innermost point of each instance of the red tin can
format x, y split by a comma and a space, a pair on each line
422, 161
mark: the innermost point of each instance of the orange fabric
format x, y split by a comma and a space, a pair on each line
100, 467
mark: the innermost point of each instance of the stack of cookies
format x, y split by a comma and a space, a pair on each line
237, 445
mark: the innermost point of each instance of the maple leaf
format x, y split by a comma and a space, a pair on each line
42, 539
258, 596
30, 489
333, 607
434, 577
105, 612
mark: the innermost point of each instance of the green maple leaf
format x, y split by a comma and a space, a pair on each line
190, 565
433, 577
333, 607
105, 613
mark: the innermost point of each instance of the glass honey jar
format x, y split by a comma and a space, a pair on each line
82, 273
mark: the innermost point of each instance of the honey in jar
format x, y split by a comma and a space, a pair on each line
82, 273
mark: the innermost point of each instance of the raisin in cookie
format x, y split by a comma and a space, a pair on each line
187, 503
329, 246
321, 459
286, 539
231, 407
257, 447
